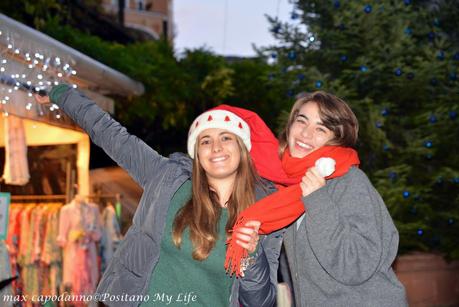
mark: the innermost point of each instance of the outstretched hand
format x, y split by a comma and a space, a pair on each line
42, 99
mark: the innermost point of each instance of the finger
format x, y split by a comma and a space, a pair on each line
247, 231
253, 224
243, 237
244, 245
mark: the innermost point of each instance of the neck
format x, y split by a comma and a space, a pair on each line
223, 188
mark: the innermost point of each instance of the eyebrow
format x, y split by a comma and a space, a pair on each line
208, 136
306, 118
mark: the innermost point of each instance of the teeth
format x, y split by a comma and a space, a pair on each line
303, 145
218, 159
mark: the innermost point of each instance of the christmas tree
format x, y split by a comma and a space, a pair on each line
396, 64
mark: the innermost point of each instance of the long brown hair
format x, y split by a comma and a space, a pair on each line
335, 114
202, 212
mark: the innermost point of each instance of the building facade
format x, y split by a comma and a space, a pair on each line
153, 17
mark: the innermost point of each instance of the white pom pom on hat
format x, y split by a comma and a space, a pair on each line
221, 119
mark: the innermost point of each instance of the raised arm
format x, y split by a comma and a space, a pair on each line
345, 230
130, 152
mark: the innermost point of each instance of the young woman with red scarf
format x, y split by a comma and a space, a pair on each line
341, 241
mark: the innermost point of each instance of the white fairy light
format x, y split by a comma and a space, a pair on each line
56, 83
16, 51
29, 94
6, 114
39, 76
23, 76
16, 88
10, 90
2, 69
29, 106
10, 46
56, 107
40, 83
59, 75
30, 66
7, 98
74, 86
29, 83
74, 72
58, 116
4, 61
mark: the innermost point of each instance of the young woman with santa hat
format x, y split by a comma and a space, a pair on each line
175, 249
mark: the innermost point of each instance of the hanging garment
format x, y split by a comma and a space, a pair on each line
5, 273
16, 170
111, 235
79, 229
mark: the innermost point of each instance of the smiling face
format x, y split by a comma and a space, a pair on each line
307, 132
219, 153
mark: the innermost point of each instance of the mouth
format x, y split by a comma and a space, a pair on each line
304, 146
219, 159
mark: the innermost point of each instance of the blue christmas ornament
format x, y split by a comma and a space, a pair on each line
290, 93
343, 58
368, 8
319, 84
410, 76
392, 176
456, 56
363, 68
450, 221
398, 72
432, 119
378, 125
291, 55
452, 115
385, 112
456, 180
406, 194
300, 77
441, 55
337, 4
294, 15
274, 55
420, 232
408, 31
431, 36
434, 81
407, 2
276, 29
453, 76
428, 144
386, 147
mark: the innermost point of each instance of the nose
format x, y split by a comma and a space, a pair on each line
216, 146
306, 132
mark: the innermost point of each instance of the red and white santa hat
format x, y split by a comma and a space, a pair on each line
222, 119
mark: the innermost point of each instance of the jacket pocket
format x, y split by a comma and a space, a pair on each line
137, 253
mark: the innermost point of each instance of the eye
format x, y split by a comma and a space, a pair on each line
204, 142
300, 120
226, 137
321, 130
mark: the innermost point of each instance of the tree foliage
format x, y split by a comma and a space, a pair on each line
396, 63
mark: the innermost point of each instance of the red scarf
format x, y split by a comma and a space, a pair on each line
282, 208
